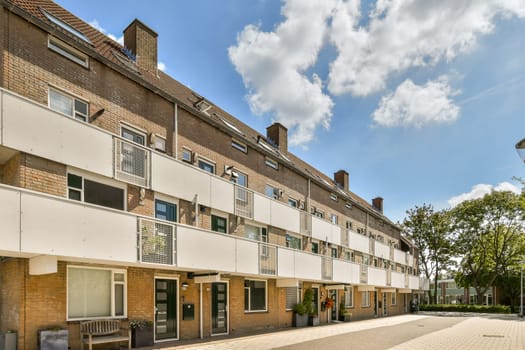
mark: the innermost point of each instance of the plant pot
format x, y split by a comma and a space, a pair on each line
299, 320
141, 337
313, 320
53, 339
345, 318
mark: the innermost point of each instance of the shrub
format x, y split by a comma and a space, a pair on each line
495, 309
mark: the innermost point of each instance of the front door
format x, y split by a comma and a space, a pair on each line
333, 311
384, 304
165, 309
219, 308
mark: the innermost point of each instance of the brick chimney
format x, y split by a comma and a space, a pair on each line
142, 41
279, 135
342, 179
377, 203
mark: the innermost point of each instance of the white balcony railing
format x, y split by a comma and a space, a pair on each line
267, 259
243, 202
344, 238
132, 163
306, 223
363, 276
156, 242
358, 242
327, 269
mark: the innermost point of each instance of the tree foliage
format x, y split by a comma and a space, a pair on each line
431, 233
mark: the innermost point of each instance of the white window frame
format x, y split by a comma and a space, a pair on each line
262, 238
73, 99
275, 191
334, 219
112, 294
249, 296
333, 197
65, 26
133, 129
297, 297
294, 203
271, 163
208, 162
349, 296
187, 151
159, 143
67, 51
299, 237
393, 298
365, 298
99, 179
240, 146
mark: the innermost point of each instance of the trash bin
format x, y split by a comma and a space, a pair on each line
8, 340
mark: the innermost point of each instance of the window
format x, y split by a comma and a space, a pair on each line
292, 202
365, 299
319, 213
186, 155
68, 51
349, 225
271, 163
349, 255
219, 224
366, 260
206, 166
239, 146
393, 300
133, 135
348, 205
95, 293
293, 242
240, 179
349, 296
158, 142
254, 295
334, 219
334, 252
256, 233
85, 190
65, 26
165, 210
271, 191
333, 197
315, 247
68, 105
292, 297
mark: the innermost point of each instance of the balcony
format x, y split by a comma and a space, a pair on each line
243, 202
377, 277
156, 242
132, 163
397, 279
327, 269
326, 231
381, 250
359, 242
399, 256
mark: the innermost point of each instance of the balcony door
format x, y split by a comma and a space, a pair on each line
166, 320
219, 308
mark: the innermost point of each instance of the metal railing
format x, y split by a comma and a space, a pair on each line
363, 275
156, 242
131, 163
344, 238
243, 202
372, 246
267, 259
407, 280
306, 223
388, 277
327, 268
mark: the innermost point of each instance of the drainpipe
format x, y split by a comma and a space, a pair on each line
201, 335
196, 204
176, 131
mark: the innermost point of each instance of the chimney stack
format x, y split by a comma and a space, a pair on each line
279, 135
342, 179
377, 203
142, 41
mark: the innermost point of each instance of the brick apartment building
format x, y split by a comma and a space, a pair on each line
124, 194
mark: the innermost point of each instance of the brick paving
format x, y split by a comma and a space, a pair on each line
406, 332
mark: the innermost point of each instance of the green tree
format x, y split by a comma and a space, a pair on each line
490, 239
431, 233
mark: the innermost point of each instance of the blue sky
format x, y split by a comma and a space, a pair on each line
420, 101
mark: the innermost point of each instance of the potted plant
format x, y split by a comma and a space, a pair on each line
141, 333
344, 314
300, 315
308, 301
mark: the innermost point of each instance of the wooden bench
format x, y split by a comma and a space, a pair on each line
103, 331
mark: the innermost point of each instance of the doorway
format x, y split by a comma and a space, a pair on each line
219, 308
332, 294
166, 306
385, 299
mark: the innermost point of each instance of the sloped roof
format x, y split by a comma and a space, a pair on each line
113, 52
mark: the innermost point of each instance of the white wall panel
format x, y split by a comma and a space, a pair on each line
247, 258
307, 266
410, 260
376, 277
345, 272
321, 229
179, 180
57, 227
399, 256
284, 216
382, 250
359, 242
261, 208
397, 279
222, 197
9, 219
35, 129
204, 250
286, 262
413, 282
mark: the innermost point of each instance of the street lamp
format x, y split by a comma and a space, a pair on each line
520, 147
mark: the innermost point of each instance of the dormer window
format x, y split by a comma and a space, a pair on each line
203, 106
65, 26
68, 51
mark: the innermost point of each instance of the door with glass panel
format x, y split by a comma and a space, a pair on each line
166, 309
219, 308
333, 311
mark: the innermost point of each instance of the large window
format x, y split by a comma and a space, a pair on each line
254, 295
95, 293
68, 105
293, 242
271, 191
256, 233
315, 247
365, 299
219, 224
85, 190
165, 210
292, 297
349, 296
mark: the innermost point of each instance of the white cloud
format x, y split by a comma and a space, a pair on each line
273, 65
95, 24
162, 66
404, 34
415, 105
480, 190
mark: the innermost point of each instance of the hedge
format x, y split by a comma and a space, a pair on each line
496, 309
